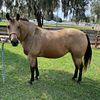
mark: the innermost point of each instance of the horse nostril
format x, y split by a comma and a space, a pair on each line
14, 42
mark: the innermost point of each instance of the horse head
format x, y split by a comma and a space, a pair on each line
13, 29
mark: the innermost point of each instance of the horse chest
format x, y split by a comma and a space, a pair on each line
26, 48
26, 51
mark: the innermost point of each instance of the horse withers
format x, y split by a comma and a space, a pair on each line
39, 42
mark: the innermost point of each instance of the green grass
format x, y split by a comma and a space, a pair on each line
70, 26
61, 25
55, 78
3, 23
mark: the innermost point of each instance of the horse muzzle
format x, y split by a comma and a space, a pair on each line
14, 40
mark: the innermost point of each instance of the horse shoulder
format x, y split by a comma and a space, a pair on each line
36, 43
26, 44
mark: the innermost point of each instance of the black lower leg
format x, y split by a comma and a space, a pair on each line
75, 73
80, 73
32, 74
37, 71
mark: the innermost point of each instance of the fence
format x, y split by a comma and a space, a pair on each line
93, 34
3, 33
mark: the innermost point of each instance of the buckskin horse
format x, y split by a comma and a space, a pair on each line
39, 42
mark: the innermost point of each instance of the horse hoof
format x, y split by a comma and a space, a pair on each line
29, 82
74, 79
78, 82
37, 77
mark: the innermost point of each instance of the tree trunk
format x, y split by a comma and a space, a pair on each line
98, 17
51, 14
39, 21
38, 16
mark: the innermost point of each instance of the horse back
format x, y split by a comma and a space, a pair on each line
58, 43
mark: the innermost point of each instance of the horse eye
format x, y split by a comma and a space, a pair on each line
8, 26
18, 27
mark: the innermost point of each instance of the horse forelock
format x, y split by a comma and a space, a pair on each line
12, 20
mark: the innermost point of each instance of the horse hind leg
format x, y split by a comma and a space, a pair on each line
80, 72
37, 71
78, 67
75, 72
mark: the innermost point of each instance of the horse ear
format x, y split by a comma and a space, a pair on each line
17, 17
7, 16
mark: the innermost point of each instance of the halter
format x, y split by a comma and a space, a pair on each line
12, 34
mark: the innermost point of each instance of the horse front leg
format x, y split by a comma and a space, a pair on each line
37, 71
32, 61
32, 75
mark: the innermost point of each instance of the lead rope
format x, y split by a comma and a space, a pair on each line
3, 65
2, 55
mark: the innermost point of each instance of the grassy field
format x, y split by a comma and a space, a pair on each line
55, 78
70, 26
3, 23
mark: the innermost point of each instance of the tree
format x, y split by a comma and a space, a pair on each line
1, 3
75, 7
41, 8
95, 8
48, 7
1, 12
9, 5
34, 8
39, 15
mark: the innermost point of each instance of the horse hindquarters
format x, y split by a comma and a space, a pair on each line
78, 60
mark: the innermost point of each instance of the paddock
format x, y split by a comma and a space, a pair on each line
55, 78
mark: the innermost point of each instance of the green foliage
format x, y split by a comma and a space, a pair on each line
57, 19
55, 78
1, 3
75, 7
95, 8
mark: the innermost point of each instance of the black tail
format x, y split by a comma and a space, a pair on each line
88, 54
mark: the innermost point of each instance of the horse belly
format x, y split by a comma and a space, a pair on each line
53, 53
54, 46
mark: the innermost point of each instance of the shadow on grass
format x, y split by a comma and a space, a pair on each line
52, 85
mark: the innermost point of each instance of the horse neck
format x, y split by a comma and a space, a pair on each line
26, 30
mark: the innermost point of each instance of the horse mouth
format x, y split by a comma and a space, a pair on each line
14, 43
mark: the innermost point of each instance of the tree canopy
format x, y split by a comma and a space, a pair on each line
95, 8
28, 8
